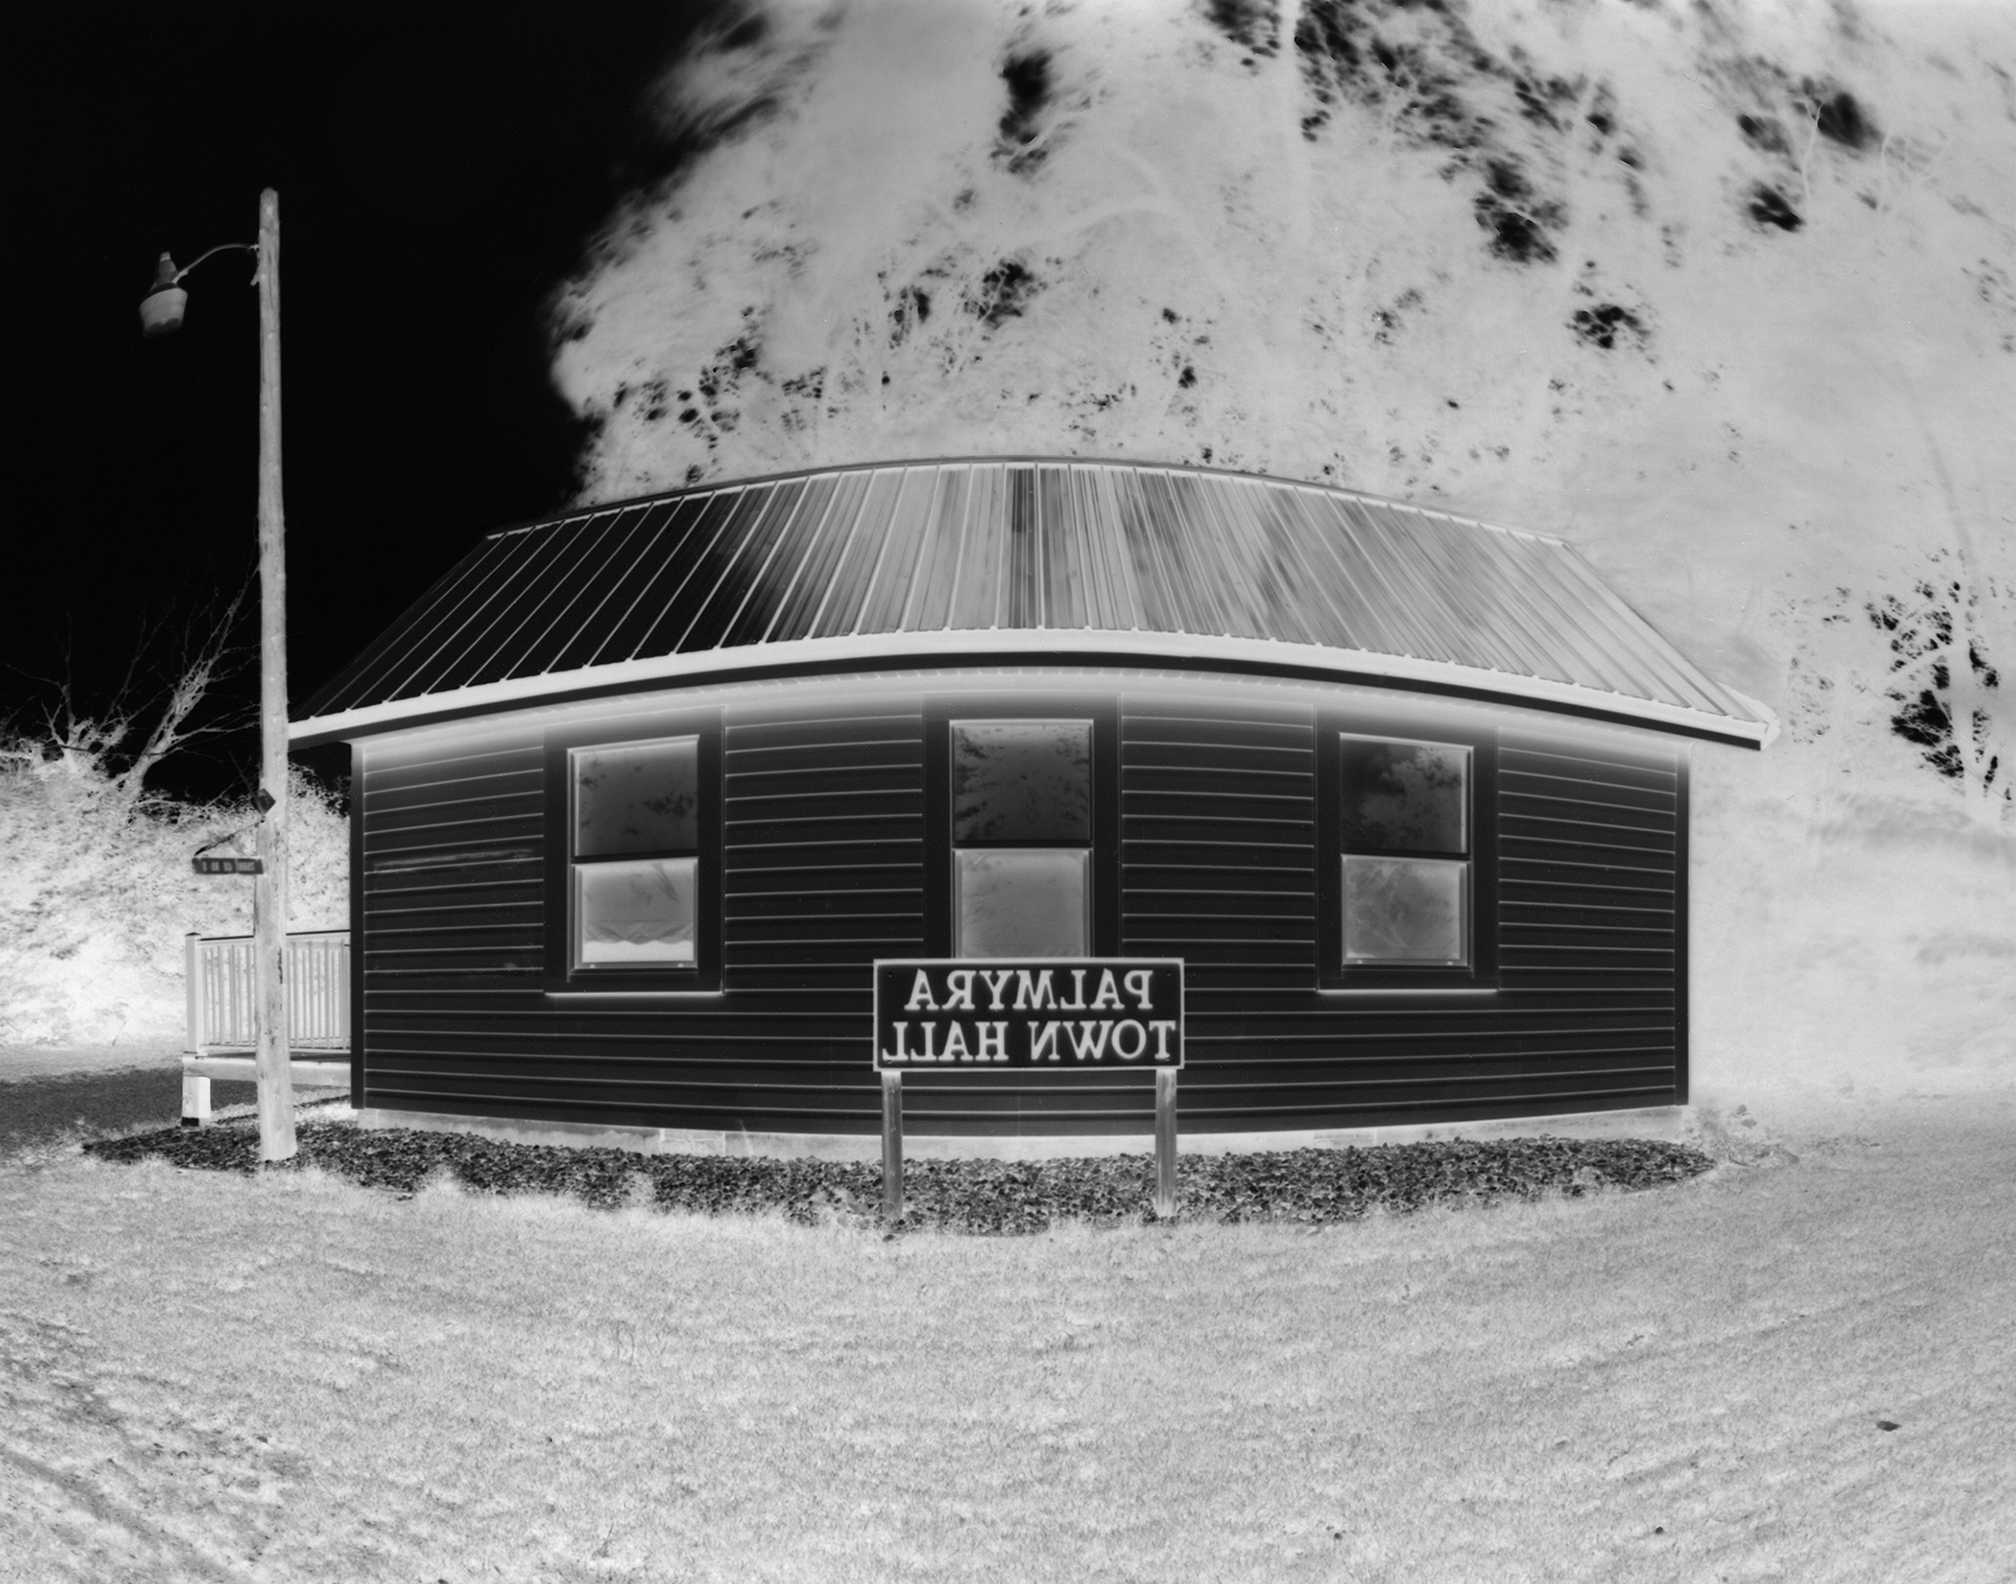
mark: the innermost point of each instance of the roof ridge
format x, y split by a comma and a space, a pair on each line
1030, 459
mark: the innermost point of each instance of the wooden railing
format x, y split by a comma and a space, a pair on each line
223, 996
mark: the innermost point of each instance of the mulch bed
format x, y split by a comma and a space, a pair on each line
1304, 1186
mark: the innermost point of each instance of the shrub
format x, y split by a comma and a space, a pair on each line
98, 891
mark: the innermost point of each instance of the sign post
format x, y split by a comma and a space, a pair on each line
892, 1147
1165, 1141
1051, 1015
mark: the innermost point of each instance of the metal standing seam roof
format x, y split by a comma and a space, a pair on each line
1022, 560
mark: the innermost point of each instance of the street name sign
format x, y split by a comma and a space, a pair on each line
233, 866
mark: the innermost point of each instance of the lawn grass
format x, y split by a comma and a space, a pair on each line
291, 1378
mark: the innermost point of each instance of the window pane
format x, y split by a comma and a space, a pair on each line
641, 798
1020, 902
1021, 781
1404, 910
1404, 797
635, 912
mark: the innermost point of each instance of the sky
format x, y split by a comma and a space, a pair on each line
440, 168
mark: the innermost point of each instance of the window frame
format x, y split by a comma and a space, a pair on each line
940, 880
1481, 860
703, 973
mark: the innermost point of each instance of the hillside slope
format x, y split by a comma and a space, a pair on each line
96, 894
1724, 294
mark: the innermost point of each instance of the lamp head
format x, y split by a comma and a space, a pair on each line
161, 310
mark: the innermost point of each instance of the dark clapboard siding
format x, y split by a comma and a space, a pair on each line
822, 873
1587, 1014
1591, 902
1218, 855
453, 848
1218, 846
824, 870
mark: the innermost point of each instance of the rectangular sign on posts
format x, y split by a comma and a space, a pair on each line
949, 1015
944, 1014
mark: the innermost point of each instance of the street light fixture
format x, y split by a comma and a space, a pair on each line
161, 313
161, 310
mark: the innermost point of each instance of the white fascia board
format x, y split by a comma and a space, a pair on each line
861, 650
1763, 712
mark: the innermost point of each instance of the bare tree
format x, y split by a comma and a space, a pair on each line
1831, 704
1943, 680
173, 671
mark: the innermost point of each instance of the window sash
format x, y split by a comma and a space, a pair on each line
634, 798
1383, 822
1405, 910
1021, 782
636, 913
1022, 902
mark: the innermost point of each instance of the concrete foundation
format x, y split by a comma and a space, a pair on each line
1651, 1122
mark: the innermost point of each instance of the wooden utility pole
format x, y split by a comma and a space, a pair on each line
269, 886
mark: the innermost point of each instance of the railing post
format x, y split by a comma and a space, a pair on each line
192, 993
343, 992
229, 965
195, 1099
195, 1089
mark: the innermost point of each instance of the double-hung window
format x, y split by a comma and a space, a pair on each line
1022, 835
636, 854
1022, 826
633, 826
1404, 840
1406, 899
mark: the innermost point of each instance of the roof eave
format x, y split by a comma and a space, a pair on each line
858, 652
